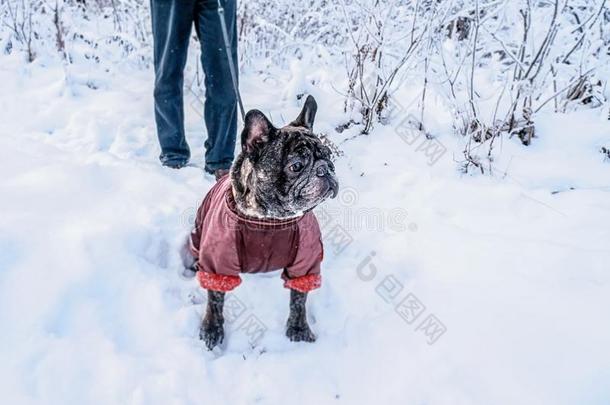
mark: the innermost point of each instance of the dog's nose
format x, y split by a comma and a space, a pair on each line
323, 168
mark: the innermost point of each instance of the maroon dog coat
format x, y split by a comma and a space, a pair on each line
226, 243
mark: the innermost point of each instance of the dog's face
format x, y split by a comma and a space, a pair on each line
282, 172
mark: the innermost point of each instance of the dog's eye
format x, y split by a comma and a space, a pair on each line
296, 167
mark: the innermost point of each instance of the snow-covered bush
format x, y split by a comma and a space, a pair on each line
100, 31
496, 63
281, 29
520, 58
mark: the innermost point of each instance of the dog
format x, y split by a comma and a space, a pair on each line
259, 218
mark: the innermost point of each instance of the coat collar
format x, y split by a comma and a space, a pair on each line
265, 223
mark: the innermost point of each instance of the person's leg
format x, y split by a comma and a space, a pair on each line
171, 27
220, 109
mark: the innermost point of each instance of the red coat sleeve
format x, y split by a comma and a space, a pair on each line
303, 274
217, 255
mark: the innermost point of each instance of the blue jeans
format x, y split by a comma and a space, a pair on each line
171, 26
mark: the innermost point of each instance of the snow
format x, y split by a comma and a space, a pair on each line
94, 307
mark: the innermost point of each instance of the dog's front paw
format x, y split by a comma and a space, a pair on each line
300, 333
212, 334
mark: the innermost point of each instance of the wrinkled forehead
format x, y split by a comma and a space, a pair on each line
297, 139
299, 136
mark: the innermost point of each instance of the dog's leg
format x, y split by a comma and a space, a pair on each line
297, 328
212, 331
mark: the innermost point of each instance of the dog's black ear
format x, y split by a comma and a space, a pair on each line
307, 115
257, 131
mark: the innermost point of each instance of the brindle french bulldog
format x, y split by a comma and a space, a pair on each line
280, 176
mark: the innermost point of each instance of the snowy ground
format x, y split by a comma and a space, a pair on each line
515, 280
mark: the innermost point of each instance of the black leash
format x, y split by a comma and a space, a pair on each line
225, 35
